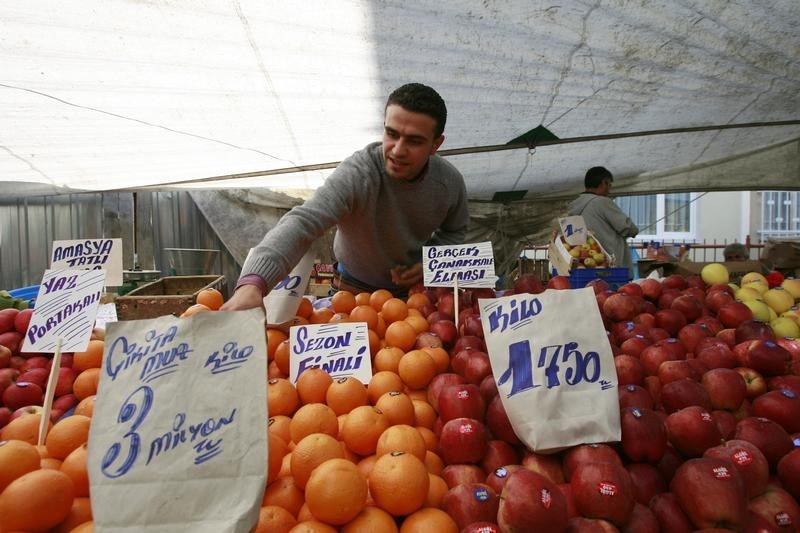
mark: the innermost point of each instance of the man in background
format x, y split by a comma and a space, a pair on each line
736, 251
387, 200
609, 224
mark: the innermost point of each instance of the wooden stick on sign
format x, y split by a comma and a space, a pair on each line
50, 392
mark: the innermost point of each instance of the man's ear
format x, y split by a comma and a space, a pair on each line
437, 143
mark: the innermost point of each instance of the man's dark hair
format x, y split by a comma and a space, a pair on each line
595, 176
420, 98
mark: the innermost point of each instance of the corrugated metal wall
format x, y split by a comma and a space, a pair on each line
28, 226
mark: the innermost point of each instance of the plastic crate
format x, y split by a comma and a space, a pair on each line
168, 296
615, 276
26, 293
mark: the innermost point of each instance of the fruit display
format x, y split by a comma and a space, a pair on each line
587, 255
709, 402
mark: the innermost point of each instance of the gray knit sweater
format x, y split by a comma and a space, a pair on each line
381, 222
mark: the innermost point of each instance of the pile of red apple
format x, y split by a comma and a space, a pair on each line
23, 376
710, 416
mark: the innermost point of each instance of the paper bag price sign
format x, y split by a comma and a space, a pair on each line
468, 265
90, 254
179, 431
540, 359
341, 350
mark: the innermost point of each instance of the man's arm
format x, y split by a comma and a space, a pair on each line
618, 220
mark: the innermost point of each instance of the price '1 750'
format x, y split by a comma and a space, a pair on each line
561, 362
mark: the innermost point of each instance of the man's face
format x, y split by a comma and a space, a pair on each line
408, 142
605, 187
735, 256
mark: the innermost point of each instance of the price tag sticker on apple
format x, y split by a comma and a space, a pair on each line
573, 229
66, 307
178, 434
283, 300
542, 357
467, 265
341, 349
90, 254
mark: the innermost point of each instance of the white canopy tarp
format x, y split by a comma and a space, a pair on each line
125, 94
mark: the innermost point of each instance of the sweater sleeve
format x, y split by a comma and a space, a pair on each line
618, 220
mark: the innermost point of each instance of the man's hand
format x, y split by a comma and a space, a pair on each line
407, 276
245, 297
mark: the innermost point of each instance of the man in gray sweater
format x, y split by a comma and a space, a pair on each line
386, 201
609, 224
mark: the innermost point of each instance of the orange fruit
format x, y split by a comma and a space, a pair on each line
436, 491
440, 357
401, 438
86, 527
375, 342
401, 334
378, 298
284, 493
274, 338
279, 425
211, 298
345, 394
434, 463
282, 397
416, 394
338, 318
311, 452
424, 413
91, 358
281, 357
364, 313
417, 300
373, 520
67, 434
74, 465
343, 301
312, 526
194, 309
274, 372
305, 308
362, 298
320, 316
49, 462
79, 513
429, 519
336, 491
380, 327
313, 418
286, 466
362, 428
419, 323
365, 465
17, 458
430, 438
416, 369
36, 501
399, 483
85, 384
382, 382
394, 309
397, 407
387, 358
85, 407
277, 449
312, 385
274, 519
304, 515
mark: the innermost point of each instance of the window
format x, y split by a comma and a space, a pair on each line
661, 216
780, 214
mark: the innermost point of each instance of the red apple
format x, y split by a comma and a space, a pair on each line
469, 341
688, 305
579, 524
438, 383
726, 388
670, 371
652, 357
717, 300
748, 460
621, 306
653, 386
603, 490
651, 289
644, 438
11, 340
529, 502
792, 346
528, 283
446, 330
726, 422
477, 367
629, 370
598, 285
427, 339
499, 453
488, 388
754, 381
635, 345
773, 441
728, 336
461, 400
473, 326
460, 474
5, 416
674, 281
5, 357
669, 514
713, 325
692, 431
682, 393
788, 472
669, 463
634, 396
482, 527
471, 502
642, 520
691, 335
547, 465
65, 402
498, 422
717, 356
765, 356
7, 317
754, 330
671, 320
646, 320
789, 382
588, 453
778, 508
781, 406
25, 411
647, 481
22, 321
498, 478
622, 331
711, 493
559, 283
463, 440
21, 393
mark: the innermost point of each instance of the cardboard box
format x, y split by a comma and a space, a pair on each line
171, 295
782, 254
736, 269
563, 262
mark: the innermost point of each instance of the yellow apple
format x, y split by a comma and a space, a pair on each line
757, 285
792, 285
714, 273
760, 310
785, 327
747, 293
778, 299
754, 276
